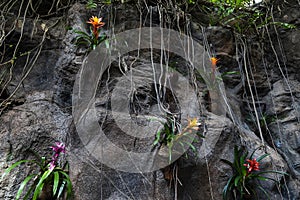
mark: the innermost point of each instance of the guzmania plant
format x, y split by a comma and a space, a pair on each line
246, 176
95, 37
169, 135
51, 180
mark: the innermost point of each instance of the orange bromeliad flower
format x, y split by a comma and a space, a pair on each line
214, 61
96, 23
252, 165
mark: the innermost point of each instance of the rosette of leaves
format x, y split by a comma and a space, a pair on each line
49, 182
246, 176
95, 37
170, 134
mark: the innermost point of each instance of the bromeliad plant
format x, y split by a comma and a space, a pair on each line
246, 174
51, 180
95, 37
170, 134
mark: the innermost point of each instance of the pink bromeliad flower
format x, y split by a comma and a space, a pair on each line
52, 165
58, 148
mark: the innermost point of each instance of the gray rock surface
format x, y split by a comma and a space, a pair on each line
43, 113
34, 126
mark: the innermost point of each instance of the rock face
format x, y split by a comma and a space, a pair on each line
262, 104
31, 127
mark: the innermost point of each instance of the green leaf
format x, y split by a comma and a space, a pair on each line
23, 184
37, 191
55, 182
262, 157
244, 171
65, 174
227, 188
14, 166
272, 171
69, 183
183, 147
264, 191
192, 146
68, 28
40, 184
284, 25
43, 163
228, 163
229, 73
156, 141
84, 42
200, 135
69, 188
61, 188
28, 193
251, 156
90, 4
237, 180
262, 178
82, 33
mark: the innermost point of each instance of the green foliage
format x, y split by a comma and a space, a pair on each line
89, 40
233, 3
108, 1
266, 119
191, 1
235, 14
241, 16
170, 134
243, 182
56, 178
224, 74
283, 25
90, 4
95, 37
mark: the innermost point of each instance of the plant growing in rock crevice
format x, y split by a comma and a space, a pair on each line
95, 37
169, 135
246, 176
50, 182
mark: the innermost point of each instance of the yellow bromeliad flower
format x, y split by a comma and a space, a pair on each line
193, 123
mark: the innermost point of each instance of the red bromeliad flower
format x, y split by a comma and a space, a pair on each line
96, 23
252, 165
